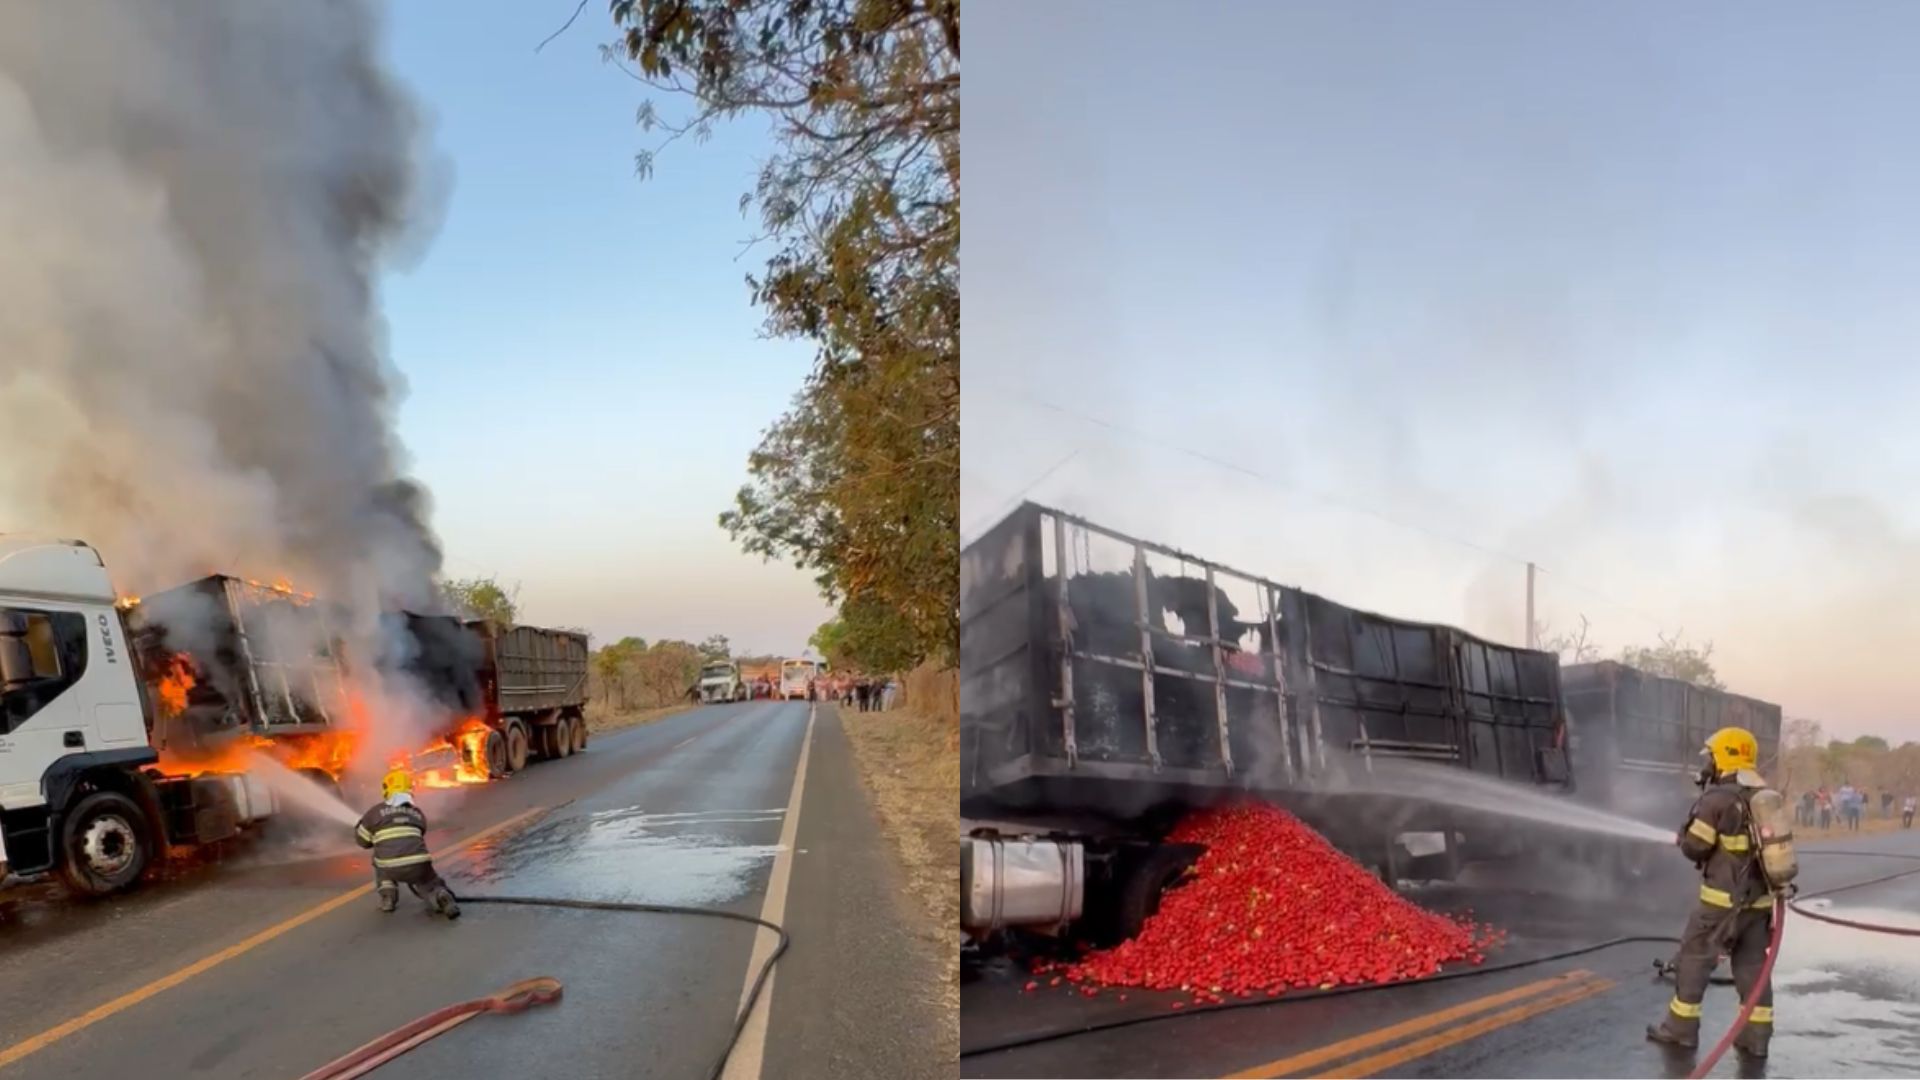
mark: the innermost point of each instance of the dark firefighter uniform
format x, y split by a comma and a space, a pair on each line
1734, 913
396, 830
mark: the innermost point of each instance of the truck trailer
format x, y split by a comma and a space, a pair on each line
96, 696
1110, 685
517, 693
1637, 736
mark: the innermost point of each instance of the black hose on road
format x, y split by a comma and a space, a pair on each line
1109, 1025
403, 1039
759, 980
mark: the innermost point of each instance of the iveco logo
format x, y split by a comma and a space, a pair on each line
106, 640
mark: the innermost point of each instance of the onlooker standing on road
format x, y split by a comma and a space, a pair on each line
1826, 809
1886, 804
1906, 812
1806, 809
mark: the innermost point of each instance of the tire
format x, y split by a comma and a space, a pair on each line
496, 755
579, 734
543, 742
105, 844
563, 737
1140, 893
517, 747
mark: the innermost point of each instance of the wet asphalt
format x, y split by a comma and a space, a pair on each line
1847, 1003
687, 811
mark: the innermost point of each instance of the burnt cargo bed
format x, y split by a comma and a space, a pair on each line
1161, 681
1638, 735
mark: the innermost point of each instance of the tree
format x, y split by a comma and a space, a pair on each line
482, 598
1675, 659
830, 641
1871, 742
859, 481
716, 647
1574, 647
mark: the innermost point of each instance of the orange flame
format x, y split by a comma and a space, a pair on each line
469, 745
177, 679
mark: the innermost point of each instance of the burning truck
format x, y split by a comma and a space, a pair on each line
130, 727
1110, 686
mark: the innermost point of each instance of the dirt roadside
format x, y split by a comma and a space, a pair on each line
598, 721
911, 765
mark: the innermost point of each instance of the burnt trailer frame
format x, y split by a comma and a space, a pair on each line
1639, 736
1082, 706
242, 679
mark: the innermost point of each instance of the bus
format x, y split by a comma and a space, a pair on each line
796, 679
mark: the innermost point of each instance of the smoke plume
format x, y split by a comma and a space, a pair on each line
195, 198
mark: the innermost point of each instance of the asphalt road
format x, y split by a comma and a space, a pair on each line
1847, 1003
266, 967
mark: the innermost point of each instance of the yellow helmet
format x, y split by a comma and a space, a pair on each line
1733, 749
396, 781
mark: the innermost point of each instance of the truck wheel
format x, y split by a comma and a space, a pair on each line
543, 743
496, 754
104, 844
516, 746
563, 737
579, 734
1140, 893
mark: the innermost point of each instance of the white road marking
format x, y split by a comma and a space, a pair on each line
684, 741
745, 1063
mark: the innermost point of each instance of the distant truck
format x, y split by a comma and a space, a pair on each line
720, 682
526, 686
117, 726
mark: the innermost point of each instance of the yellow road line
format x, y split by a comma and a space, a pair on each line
1368, 1040
1420, 1048
206, 963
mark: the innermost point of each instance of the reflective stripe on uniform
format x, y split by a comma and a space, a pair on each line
361, 832
1722, 898
396, 832
1735, 842
1704, 832
1685, 1010
402, 860
1762, 1014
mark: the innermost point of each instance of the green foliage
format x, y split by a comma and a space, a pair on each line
632, 674
1675, 659
859, 481
1871, 742
482, 598
716, 647
830, 641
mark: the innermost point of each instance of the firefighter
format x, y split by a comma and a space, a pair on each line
1735, 910
396, 830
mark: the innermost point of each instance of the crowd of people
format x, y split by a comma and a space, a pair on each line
1846, 805
860, 692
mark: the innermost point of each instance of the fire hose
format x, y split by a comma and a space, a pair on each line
541, 991
1773, 949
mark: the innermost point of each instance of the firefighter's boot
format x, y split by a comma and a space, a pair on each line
389, 896
1674, 1031
444, 903
1752, 1040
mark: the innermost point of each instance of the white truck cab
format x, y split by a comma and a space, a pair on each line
720, 682
75, 798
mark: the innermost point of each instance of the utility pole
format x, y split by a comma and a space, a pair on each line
1533, 641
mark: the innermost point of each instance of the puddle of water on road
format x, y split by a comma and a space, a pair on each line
692, 858
1848, 1000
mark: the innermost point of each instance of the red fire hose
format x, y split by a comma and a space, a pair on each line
1746, 1007
516, 998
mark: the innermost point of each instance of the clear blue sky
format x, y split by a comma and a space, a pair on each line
1628, 290
585, 368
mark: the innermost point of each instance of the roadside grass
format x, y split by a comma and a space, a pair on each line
599, 720
911, 764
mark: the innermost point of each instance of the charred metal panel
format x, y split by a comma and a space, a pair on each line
264, 659
534, 670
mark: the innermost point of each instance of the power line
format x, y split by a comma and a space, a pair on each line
1019, 495
1318, 495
